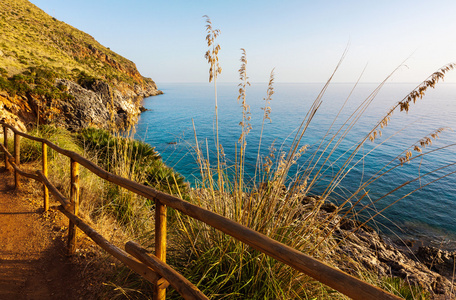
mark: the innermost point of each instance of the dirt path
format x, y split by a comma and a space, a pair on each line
33, 260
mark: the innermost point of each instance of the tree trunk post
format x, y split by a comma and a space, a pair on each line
160, 243
5, 143
17, 158
45, 173
74, 199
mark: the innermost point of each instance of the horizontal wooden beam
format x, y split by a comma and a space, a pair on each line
12, 163
54, 191
118, 253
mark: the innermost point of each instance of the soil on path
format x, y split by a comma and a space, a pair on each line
33, 260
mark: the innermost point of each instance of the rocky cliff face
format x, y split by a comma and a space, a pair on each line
15, 110
96, 105
100, 105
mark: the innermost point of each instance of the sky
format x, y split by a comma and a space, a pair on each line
303, 40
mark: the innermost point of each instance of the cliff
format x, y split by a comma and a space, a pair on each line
51, 72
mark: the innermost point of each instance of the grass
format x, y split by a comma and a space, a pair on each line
405, 290
115, 151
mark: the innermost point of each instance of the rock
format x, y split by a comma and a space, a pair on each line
409, 243
439, 286
350, 224
430, 267
15, 111
143, 109
328, 207
309, 199
98, 105
437, 260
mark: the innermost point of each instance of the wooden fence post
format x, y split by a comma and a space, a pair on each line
5, 143
74, 198
45, 173
17, 158
160, 243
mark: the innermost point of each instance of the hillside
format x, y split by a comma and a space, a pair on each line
53, 72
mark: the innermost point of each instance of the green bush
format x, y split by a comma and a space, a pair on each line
140, 158
86, 80
3, 72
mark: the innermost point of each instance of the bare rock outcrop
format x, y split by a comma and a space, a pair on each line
428, 267
440, 261
97, 106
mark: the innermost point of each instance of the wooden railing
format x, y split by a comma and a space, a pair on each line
154, 267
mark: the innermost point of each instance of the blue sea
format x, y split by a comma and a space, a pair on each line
426, 210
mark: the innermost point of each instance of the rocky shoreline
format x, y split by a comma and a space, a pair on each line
428, 267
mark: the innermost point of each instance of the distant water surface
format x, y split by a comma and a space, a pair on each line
429, 213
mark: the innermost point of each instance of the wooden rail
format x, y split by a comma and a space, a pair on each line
154, 268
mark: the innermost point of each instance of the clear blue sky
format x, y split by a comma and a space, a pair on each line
302, 39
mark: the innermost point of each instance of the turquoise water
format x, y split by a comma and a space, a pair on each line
429, 213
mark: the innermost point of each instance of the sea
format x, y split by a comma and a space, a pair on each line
417, 199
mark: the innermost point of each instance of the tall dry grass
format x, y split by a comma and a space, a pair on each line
280, 204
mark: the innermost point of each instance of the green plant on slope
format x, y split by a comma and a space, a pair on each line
114, 151
401, 288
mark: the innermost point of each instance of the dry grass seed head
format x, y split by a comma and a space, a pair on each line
423, 143
246, 116
419, 91
270, 91
212, 53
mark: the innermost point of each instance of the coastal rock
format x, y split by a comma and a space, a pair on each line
87, 108
99, 105
430, 267
440, 261
328, 207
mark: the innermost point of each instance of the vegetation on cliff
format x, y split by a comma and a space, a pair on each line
37, 49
